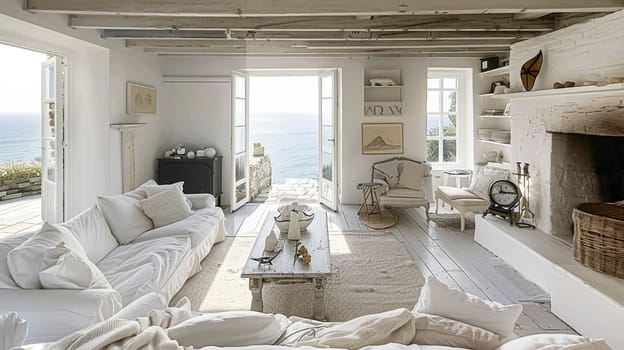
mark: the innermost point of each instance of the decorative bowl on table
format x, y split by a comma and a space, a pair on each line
282, 220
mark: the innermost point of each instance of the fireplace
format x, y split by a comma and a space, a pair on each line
584, 168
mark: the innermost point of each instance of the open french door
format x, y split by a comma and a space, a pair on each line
328, 107
53, 139
240, 137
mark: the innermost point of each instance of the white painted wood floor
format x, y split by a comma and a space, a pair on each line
452, 257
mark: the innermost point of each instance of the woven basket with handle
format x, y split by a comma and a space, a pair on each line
599, 237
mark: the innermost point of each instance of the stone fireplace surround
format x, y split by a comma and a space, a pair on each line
575, 145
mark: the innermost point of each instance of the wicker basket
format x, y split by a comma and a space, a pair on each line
599, 237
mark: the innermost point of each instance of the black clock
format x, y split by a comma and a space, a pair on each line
504, 198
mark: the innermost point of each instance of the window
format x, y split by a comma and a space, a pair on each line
443, 120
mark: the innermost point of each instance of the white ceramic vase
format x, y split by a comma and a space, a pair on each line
270, 242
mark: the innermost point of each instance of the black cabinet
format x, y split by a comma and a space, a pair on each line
200, 175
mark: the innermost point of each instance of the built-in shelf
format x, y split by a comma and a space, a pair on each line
578, 90
383, 101
495, 72
495, 116
495, 143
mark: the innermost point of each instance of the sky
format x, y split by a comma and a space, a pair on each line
20, 80
288, 94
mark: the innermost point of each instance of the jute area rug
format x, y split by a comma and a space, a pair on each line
371, 273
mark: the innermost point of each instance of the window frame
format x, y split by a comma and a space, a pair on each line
460, 113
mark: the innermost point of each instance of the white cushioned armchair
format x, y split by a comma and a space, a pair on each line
406, 183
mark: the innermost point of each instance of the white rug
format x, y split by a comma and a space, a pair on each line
371, 272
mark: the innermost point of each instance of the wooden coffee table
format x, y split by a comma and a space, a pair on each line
287, 270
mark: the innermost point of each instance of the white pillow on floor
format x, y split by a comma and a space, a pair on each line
166, 207
436, 298
25, 260
555, 342
61, 268
124, 216
233, 328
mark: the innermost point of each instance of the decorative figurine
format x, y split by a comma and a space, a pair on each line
301, 252
270, 242
266, 260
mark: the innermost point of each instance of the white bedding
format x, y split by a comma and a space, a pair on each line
139, 268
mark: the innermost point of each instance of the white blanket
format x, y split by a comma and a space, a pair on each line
396, 326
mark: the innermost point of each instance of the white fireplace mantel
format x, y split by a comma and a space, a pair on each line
127, 153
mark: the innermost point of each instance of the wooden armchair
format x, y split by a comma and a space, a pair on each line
406, 183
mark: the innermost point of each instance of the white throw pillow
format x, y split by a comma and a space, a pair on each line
93, 233
155, 189
25, 260
140, 193
389, 172
484, 177
166, 207
234, 328
438, 299
8, 243
13, 331
413, 175
438, 330
61, 268
125, 217
555, 342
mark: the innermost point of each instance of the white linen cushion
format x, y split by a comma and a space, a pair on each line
8, 243
484, 177
453, 193
438, 299
233, 328
197, 226
154, 189
166, 207
61, 268
140, 193
142, 267
438, 330
25, 260
405, 193
388, 172
413, 175
555, 342
124, 216
91, 230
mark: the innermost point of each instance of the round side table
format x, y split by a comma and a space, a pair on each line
370, 205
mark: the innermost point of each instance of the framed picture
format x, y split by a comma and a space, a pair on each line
382, 138
141, 99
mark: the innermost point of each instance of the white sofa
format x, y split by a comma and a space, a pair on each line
159, 260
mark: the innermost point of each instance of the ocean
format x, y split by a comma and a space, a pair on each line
290, 140
20, 137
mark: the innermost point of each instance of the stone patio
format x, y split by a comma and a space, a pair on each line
300, 190
18, 215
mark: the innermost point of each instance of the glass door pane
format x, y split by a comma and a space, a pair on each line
240, 142
327, 144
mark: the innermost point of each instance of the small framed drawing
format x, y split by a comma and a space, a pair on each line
382, 138
140, 99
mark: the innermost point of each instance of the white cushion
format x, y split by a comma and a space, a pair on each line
13, 330
389, 172
484, 177
8, 243
555, 342
166, 207
140, 193
405, 193
91, 230
438, 299
234, 328
438, 330
142, 267
154, 189
413, 175
25, 260
452, 193
124, 216
197, 226
63, 269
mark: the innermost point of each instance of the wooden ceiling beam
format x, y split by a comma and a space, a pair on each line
264, 8
321, 45
504, 22
273, 51
311, 36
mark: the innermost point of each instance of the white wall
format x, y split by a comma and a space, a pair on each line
97, 72
204, 117
589, 51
